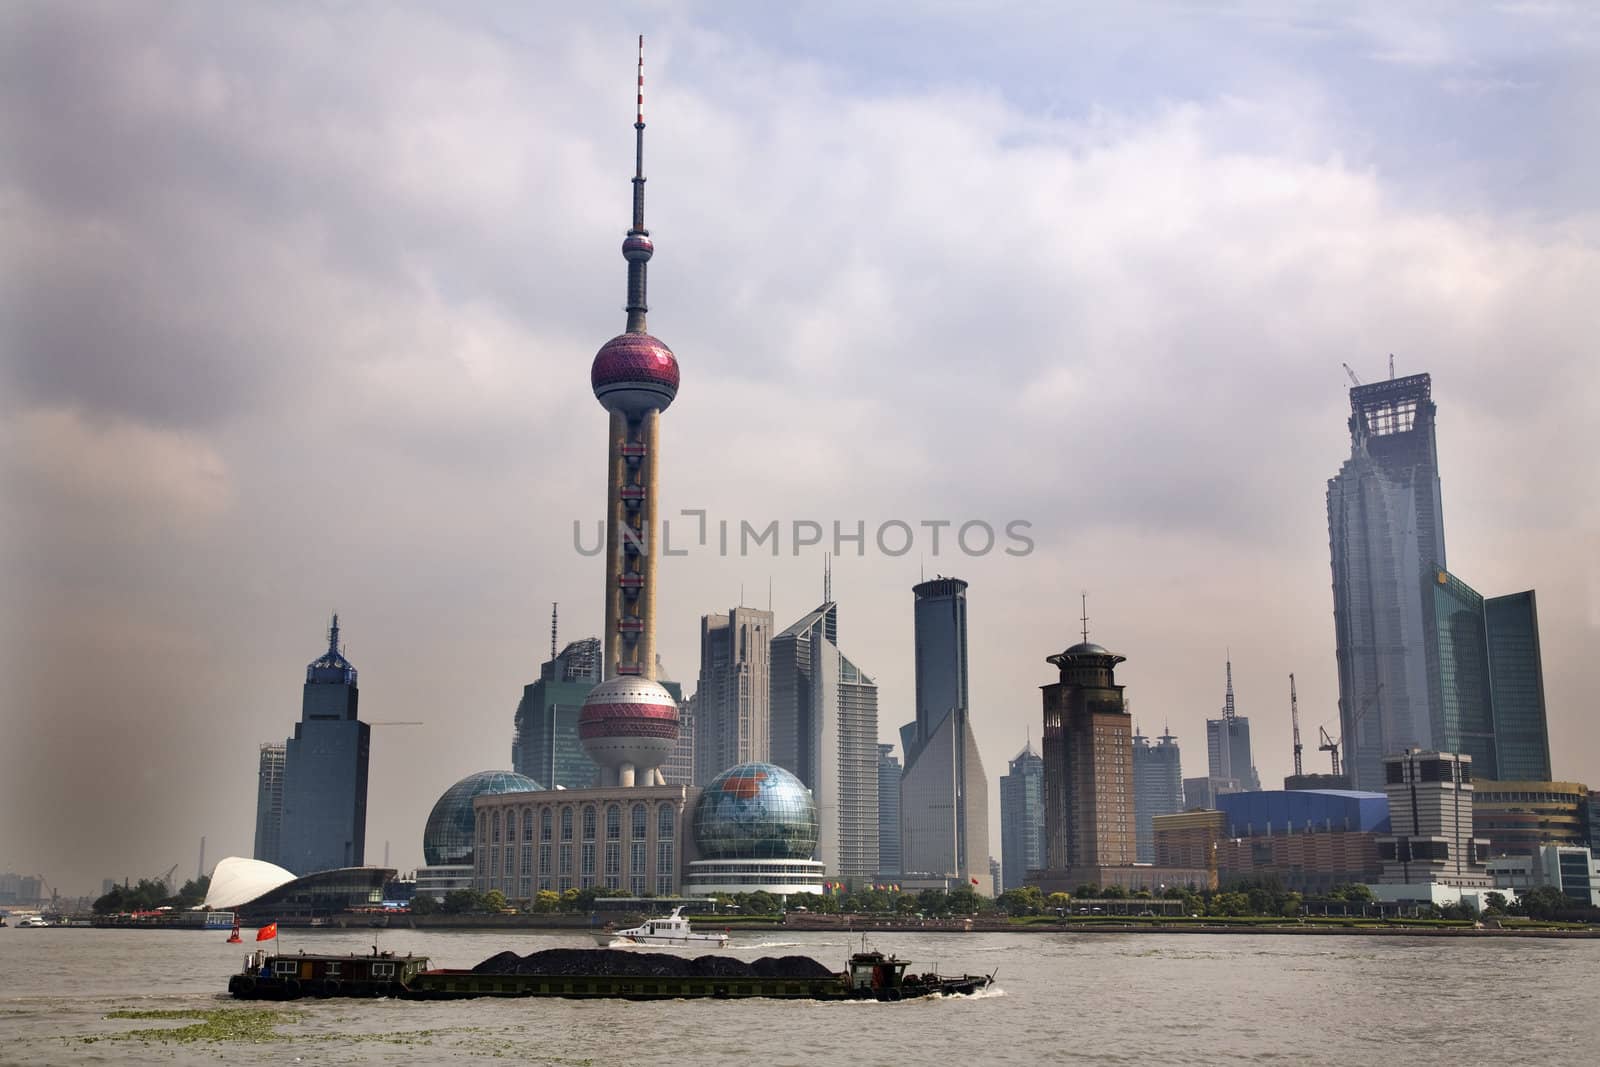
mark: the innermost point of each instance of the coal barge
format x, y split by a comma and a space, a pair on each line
592, 974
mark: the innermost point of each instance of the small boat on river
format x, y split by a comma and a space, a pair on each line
672, 930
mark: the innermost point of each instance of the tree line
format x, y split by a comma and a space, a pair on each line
148, 894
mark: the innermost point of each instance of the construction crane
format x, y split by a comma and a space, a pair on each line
1294, 715
166, 879
1353, 379
1331, 745
1391, 366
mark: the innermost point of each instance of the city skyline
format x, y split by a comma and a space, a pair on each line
356, 380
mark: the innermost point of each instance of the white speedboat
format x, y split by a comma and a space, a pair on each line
672, 930
33, 920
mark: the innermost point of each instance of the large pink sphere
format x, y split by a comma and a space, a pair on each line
633, 373
627, 720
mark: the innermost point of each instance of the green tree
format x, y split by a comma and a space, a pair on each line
493, 902
931, 901
424, 904
1113, 892
1059, 902
905, 904
963, 901
1025, 901
462, 902
1494, 903
761, 903
546, 901
1544, 902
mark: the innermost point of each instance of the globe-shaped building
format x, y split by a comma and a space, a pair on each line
447, 840
755, 828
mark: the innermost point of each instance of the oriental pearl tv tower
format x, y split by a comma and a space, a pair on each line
629, 722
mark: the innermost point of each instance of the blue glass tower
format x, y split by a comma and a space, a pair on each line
325, 771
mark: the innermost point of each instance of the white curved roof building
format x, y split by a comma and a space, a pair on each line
237, 881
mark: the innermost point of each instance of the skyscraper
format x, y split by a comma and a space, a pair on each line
1228, 743
944, 794
1157, 788
269, 802
679, 768
1385, 532
1460, 715
888, 813
545, 745
1021, 818
1088, 758
325, 770
824, 715
629, 722
733, 698
1516, 677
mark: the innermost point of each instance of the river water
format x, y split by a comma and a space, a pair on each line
1085, 998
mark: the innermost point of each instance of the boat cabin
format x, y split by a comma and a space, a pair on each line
873, 973
379, 968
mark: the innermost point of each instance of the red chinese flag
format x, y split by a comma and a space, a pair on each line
974, 881
267, 932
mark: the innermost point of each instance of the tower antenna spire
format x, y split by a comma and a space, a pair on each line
553, 608
637, 247
827, 578
1227, 706
333, 634
1084, 599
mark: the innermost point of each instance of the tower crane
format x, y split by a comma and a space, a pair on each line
1294, 715
1331, 745
1353, 379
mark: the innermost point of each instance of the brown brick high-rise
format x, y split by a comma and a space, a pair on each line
1088, 766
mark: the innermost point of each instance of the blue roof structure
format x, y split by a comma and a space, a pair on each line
1280, 811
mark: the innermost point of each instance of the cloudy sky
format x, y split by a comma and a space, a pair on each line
298, 302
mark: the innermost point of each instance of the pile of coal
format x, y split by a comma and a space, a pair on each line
568, 962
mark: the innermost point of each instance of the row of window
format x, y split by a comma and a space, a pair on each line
497, 867
490, 823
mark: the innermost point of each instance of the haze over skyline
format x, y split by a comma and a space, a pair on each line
302, 300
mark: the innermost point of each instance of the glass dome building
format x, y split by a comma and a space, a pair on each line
447, 839
755, 827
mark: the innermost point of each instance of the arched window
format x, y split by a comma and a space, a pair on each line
588, 822
483, 828
527, 824
546, 823
641, 822
495, 826
666, 818
614, 823
566, 824
511, 825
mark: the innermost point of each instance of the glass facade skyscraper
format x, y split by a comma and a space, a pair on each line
824, 730
325, 771
1021, 818
888, 813
1157, 789
1516, 686
944, 794
269, 802
1460, 714
1385, 532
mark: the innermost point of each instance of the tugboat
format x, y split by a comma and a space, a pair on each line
671, 930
